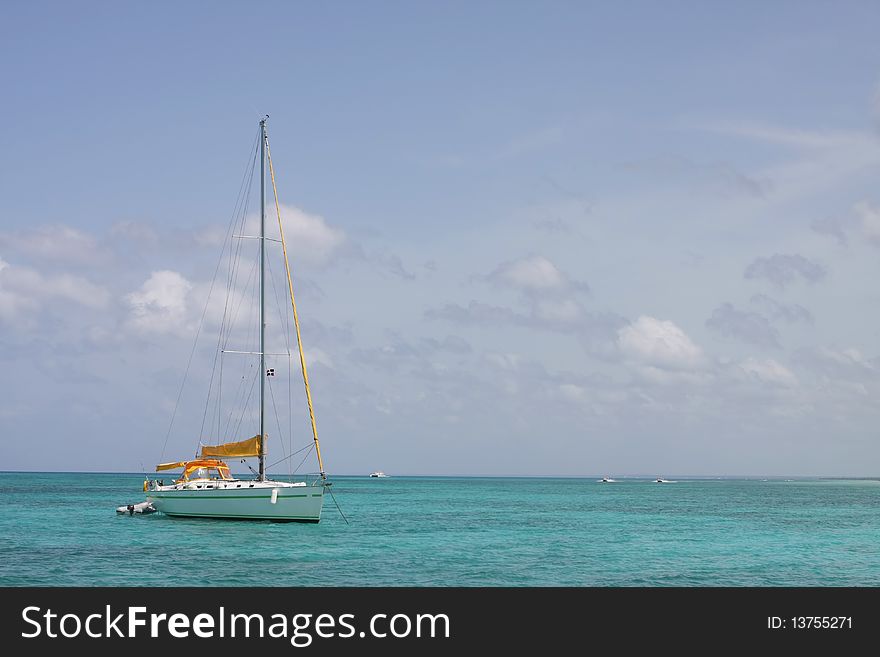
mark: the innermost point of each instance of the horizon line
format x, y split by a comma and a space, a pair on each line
497, 476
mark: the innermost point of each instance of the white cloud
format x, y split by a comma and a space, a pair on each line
862, 223
767, 371
665, 377
659, 344
308, 236
573, 392
869, 217
211, 236
532, 273
160, 304
315, 356
55, 244
24, 290
838, 364
504, 361
560, 311
135, 231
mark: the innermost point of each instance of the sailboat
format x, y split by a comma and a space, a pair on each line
206, 488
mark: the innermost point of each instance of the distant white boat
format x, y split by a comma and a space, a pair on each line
378, 474
606, 480
661, 480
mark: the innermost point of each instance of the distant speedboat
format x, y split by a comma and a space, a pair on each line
142, 507
378, 474
661, 480
606, 480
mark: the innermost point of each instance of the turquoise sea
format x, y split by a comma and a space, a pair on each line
62, 529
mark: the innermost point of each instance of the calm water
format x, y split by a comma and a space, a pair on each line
61, 529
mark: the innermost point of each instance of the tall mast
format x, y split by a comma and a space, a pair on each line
302, 356
262, 473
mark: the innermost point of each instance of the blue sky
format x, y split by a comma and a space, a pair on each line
530, 238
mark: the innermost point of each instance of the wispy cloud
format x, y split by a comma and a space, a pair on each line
869, 217
721, 178
791, 313
24, 291
834, 226
781, 269
767, 371
784, 136
861, 224
743, 325
597, 332
533, 274
55, 245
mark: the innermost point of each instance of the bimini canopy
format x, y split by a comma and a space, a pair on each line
250, 447
190, 467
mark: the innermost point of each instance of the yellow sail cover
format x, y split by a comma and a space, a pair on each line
170, 466
249, 447
192, 466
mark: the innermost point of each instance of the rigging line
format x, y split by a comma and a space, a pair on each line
235, 253
208, 399
239, 393
253, 335
311, 447
290, 456
232, 282
218, 354
283, 321
195, 341
219, 397
240, 213
244, 408
240, 403
278, 304
302, 358
283, 318
225, 327
241, 198
250, 282
338, 508
226, 322
242, 388
277, 421
234, 275
284, 325
235, 401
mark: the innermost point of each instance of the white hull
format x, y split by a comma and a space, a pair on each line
240, 500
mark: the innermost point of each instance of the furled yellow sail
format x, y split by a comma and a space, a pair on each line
250, 447
170, 466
